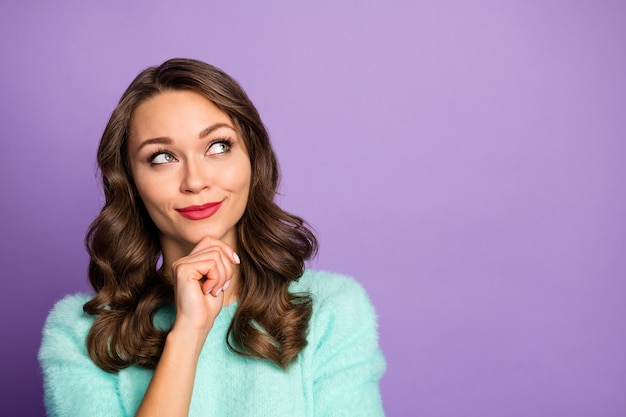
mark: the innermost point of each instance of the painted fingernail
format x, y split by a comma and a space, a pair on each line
237, 260
225, 287
208, 291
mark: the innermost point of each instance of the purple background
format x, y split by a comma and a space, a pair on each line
465, 161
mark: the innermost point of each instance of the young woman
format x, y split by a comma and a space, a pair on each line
202, 304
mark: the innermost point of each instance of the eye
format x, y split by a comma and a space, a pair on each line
161, 157
219, 146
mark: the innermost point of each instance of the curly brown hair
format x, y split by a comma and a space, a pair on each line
124, 247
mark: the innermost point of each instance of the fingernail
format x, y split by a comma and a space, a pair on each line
208, 291
225, 287
237, 260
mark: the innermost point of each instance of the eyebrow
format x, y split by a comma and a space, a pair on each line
168, 141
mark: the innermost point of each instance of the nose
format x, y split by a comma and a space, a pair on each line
196, 177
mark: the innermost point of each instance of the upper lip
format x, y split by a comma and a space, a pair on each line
198, 208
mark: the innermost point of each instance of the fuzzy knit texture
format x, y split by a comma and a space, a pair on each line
337, 374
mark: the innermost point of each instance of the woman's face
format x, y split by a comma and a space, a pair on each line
191, 169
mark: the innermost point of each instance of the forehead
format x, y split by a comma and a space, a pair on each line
175, 112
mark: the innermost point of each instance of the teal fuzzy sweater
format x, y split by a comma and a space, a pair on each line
337, 374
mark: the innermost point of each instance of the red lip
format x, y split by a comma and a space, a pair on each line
200, 212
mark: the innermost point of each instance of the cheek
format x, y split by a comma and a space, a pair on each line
237, 178
149, 190
143, 190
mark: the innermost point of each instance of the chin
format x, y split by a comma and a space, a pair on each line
215, 234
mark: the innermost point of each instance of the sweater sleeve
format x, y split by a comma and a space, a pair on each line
73, 384
347, 361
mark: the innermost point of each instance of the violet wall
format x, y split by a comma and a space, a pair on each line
465, 161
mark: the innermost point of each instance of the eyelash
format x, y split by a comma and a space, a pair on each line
226, 141
156, 153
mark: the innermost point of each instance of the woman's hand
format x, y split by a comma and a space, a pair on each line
199, 281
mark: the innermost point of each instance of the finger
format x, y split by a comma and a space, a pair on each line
226, 270
211, 263
216, 277
208, 242
186, 269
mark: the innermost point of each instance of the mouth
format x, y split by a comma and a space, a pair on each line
200, 212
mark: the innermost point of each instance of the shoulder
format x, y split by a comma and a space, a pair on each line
340, 306
73, 383
66, 325
323, 285
69, 310
342, 357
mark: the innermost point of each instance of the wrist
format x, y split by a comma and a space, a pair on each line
188, 341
